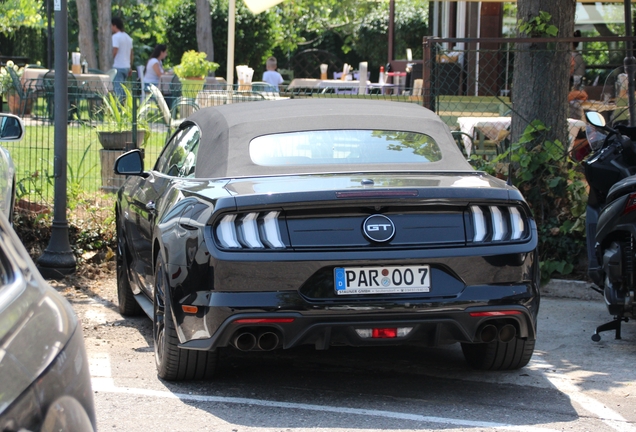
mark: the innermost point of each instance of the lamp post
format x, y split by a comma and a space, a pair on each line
58, 259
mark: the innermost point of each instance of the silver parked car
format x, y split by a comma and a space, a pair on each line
45, 383
11, 129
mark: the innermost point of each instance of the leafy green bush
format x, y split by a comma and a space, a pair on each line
556, 190
194, 65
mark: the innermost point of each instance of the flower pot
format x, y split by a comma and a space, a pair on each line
16, 107
190, 87
119, 140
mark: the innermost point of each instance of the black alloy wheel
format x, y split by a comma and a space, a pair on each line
128, 306
174, 363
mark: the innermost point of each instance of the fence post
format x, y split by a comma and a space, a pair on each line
428, 100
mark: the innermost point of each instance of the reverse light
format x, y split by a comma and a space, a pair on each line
494, 313
384, 333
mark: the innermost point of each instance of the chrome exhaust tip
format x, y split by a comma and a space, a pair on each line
507, 333
244, 341
268, 341
488, 333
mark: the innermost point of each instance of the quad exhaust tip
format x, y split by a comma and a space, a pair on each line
248, 341
504, 333
244, 341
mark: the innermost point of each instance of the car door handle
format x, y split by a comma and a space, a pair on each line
150, 206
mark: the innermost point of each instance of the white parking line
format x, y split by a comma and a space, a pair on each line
106, 386
565, 386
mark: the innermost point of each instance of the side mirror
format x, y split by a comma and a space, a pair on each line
130, 163
595, 119
11, 128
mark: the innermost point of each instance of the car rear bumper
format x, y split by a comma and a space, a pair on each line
295, 321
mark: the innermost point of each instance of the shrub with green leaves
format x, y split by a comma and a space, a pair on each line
556, 190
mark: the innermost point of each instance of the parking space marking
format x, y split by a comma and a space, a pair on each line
101, 385
607, 415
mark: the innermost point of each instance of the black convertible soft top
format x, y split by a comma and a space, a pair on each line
226, 132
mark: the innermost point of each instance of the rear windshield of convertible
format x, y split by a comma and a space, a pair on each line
352, 146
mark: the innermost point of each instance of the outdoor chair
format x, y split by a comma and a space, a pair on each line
111, 73
460, 138
25, 94
174, 116
74, 94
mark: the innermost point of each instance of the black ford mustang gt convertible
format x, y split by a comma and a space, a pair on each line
268, 225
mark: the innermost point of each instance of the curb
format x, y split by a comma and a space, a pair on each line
560, 288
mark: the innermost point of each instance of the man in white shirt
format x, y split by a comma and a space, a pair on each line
122, 55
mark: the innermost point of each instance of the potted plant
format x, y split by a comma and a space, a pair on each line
116, 130
8, 90
192, 71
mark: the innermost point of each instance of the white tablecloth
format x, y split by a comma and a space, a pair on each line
98, 83
491, 126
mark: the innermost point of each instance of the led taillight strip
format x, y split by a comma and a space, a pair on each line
250, 231
506, 223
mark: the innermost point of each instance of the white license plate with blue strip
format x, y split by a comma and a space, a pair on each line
382, 280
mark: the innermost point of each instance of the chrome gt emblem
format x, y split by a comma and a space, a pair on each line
378, 228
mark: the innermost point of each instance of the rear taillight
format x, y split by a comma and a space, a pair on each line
497, 224
250, 231
630, 205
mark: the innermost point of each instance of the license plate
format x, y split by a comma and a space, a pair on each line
382, 280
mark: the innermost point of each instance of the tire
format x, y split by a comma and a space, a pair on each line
174, 363
128, 306
497, 355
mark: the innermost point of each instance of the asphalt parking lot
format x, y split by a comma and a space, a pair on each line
570, 384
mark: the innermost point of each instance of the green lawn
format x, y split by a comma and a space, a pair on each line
34, 156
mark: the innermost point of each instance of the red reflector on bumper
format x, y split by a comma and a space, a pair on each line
264, 320
494, 313
630, 205
384, 333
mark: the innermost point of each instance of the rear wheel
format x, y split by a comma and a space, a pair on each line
498, 355
128, 306
174, 363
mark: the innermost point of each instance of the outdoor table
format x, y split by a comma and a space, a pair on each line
490, 127
97, 83
598, 106
339, 86
208, 98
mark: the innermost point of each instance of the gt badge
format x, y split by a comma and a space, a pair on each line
378, 228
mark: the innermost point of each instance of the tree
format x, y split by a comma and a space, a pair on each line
542, 70
204, 29
104, 35
85, 20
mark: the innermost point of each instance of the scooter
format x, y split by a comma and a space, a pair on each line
611, 219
